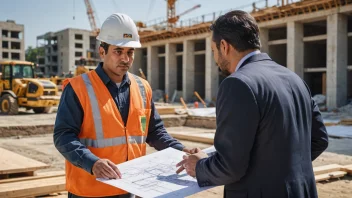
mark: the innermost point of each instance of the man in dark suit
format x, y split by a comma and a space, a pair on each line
269, 129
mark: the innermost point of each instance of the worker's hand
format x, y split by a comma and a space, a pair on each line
104, 168
189, 163
191, 151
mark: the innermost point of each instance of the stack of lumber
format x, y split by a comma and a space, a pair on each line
332, 171
19, 179
167, 109
346, 121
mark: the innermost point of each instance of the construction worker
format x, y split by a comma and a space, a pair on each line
106, 116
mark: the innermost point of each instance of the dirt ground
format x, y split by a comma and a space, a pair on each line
41, 148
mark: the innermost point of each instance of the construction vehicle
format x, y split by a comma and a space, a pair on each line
19, 88
85, 65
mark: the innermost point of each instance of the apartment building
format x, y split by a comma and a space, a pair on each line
64, 49
12, 41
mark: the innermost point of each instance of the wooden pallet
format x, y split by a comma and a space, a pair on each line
33, 187
19, 179
15, 165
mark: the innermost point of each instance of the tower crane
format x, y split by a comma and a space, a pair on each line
171, 13
92, 17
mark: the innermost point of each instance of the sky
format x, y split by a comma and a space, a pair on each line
42, 16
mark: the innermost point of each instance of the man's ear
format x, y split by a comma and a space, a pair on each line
224, 47
101, 53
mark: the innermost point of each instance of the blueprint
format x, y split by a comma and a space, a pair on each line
154, 175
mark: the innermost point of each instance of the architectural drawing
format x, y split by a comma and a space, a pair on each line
155, 175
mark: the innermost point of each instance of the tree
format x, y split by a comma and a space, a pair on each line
32, 53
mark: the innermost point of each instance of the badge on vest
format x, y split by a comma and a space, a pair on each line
143, 121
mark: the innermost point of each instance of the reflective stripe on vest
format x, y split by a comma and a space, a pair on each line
141, 90
100, 141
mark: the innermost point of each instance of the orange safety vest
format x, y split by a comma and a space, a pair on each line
103, 131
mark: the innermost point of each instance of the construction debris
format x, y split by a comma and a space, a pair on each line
319, 99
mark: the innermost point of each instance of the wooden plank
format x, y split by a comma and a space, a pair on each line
15, 175
324, 84
326, 169
39, 176
315, 38
348, 169
33, 187
331, 175
346, 121
315, 69
162, 110
277, 42
14, 163
207, 138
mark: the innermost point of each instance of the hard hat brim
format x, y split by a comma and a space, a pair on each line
133, 44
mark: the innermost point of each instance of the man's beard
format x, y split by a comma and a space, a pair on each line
224, 66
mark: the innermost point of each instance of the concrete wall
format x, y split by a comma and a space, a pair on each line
16, 48
278, 53
317, 44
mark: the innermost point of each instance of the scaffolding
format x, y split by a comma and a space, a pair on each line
260, 15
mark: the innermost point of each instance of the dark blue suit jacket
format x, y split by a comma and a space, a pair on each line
269, 130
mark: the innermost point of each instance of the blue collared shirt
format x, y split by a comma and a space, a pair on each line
245, 58
69, 119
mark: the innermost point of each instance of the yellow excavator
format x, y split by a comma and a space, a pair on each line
19, 88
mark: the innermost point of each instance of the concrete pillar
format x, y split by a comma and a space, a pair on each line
188, 69
170, 69
137, 63
336, 60
153, 67
264, 39
211, 72
22, 54
295, 48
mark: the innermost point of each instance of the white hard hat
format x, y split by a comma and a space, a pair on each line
119, 30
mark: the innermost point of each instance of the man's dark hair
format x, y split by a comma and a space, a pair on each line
237, 28
105, 46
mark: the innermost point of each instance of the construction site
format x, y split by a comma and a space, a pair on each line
313, 38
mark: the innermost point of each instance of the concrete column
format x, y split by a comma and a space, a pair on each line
153, 67
295, 48
336, 60
137, 63
264, 39
170, 69
188, 69
211, 73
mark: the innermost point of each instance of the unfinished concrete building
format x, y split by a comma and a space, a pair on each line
12, 41
312, 38
64, 49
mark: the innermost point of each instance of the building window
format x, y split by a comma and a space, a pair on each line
78, 45
15, 45
5, 33
5, 44
15, 56
78, 54
78, 36
5, 55
16, 35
